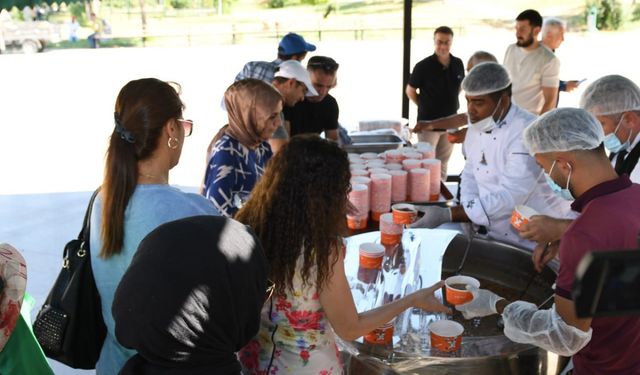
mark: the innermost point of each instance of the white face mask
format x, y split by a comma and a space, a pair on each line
486, 124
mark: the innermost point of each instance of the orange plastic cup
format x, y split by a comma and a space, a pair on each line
390, 232
371, 255
381, 336
357, 222
404, 213
375, 216
446, 335
434, 197
456, 293
521, 215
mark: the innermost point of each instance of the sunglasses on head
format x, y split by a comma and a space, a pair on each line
328, 66
271, 286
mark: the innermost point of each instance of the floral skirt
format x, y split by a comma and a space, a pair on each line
261, 357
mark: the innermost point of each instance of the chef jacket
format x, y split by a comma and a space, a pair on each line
499, 174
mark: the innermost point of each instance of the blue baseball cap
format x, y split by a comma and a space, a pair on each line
293, 43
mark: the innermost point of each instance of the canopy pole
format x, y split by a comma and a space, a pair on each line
406, 59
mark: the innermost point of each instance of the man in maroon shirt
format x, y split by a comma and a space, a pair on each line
567, 143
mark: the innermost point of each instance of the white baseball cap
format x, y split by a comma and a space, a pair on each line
293, 69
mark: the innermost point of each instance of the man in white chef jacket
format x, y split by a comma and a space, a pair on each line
499, 173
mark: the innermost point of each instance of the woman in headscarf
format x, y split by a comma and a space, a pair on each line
191, 298
241, 150
298, 211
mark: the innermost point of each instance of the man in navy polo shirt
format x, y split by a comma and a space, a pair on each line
434, 86
567, 143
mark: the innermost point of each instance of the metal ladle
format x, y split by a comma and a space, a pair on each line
470, 237
535, 273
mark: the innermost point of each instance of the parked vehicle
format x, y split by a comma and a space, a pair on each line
28, 37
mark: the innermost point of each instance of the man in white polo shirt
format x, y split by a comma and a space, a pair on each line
534, 69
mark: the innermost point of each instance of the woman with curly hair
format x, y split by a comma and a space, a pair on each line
298, 211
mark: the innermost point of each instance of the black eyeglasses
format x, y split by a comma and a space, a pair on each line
328, 65
187, 125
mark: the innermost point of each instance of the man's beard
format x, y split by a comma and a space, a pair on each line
525, 43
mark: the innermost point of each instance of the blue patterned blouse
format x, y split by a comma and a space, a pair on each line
232, 172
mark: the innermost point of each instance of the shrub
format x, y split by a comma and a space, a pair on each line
609, 14
77, 10
275, 3
636, 13
179, 4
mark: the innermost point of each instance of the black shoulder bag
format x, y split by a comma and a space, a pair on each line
70, 327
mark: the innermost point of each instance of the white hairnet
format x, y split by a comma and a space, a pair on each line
563, 129
525, 324
485, 78
611, 95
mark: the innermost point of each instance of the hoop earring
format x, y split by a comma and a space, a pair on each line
171, 145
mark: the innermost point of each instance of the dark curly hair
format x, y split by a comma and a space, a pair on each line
299, 207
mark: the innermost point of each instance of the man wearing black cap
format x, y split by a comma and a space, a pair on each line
317, 114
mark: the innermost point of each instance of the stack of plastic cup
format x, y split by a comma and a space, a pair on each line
369, 155
357, 166
394, 156
359, 198
393, 166
390, 232
419, 185
426, 149
411, 153
353, 157
409, 164
370, 262
378, 170
361, 180
359, 172
374, 163
398, 186
435, 167
380, 195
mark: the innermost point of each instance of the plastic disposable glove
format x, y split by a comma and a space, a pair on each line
525, 324
433, 217
482, 304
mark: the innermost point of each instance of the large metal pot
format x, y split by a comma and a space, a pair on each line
498, 266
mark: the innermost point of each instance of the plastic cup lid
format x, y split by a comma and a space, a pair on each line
371, 249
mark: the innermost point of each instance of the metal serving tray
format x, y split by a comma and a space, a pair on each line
373, 143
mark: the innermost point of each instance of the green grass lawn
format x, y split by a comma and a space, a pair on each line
245, 20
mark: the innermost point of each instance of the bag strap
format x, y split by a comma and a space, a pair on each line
86, 224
